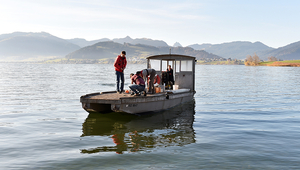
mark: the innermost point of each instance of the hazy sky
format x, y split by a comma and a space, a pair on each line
275, 23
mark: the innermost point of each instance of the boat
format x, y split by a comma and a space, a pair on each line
182, 91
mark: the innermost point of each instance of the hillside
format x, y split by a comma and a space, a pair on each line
234, 50
146, 41
199, 54
83, 43
109, 50
288, 52
22, 46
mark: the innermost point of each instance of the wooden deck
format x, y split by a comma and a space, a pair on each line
115, 96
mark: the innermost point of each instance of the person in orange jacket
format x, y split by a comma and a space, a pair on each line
120, 65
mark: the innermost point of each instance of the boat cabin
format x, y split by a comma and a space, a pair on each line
183, 69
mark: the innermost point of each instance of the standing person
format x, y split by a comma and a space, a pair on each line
139, 85
151, 72
120, 65
170, 74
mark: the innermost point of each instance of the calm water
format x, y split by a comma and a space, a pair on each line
241, 118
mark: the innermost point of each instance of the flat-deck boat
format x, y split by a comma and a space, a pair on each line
184, 76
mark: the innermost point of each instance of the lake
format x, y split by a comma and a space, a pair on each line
242, 117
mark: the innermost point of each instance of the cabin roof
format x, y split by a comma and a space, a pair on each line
171, 57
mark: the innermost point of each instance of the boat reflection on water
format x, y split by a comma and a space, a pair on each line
132, 133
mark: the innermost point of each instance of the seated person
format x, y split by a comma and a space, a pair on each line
139, 85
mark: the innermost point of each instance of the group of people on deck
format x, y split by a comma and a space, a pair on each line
138, 85
139, 80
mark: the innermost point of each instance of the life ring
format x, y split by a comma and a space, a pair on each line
156, 79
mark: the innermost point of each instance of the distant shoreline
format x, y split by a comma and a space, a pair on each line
111, 61
285, 63
230, 62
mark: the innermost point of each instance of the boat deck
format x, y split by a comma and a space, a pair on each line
115, 96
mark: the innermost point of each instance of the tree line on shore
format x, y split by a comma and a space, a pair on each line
255, 60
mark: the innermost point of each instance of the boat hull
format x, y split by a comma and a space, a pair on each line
137, 104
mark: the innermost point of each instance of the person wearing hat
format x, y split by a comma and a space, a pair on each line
120, 65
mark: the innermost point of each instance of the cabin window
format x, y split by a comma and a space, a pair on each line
186, 65
171, 63
177, 66
155, 64
164, 65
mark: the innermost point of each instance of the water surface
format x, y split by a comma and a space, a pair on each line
241, 118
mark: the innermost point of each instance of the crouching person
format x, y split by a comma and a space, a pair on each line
149, 72
139, 86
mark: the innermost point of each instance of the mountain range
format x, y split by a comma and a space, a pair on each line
110, 49
234, 50
83, 43
146, 41
288, 52
21, 46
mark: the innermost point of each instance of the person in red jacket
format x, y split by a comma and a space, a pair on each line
120, 65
